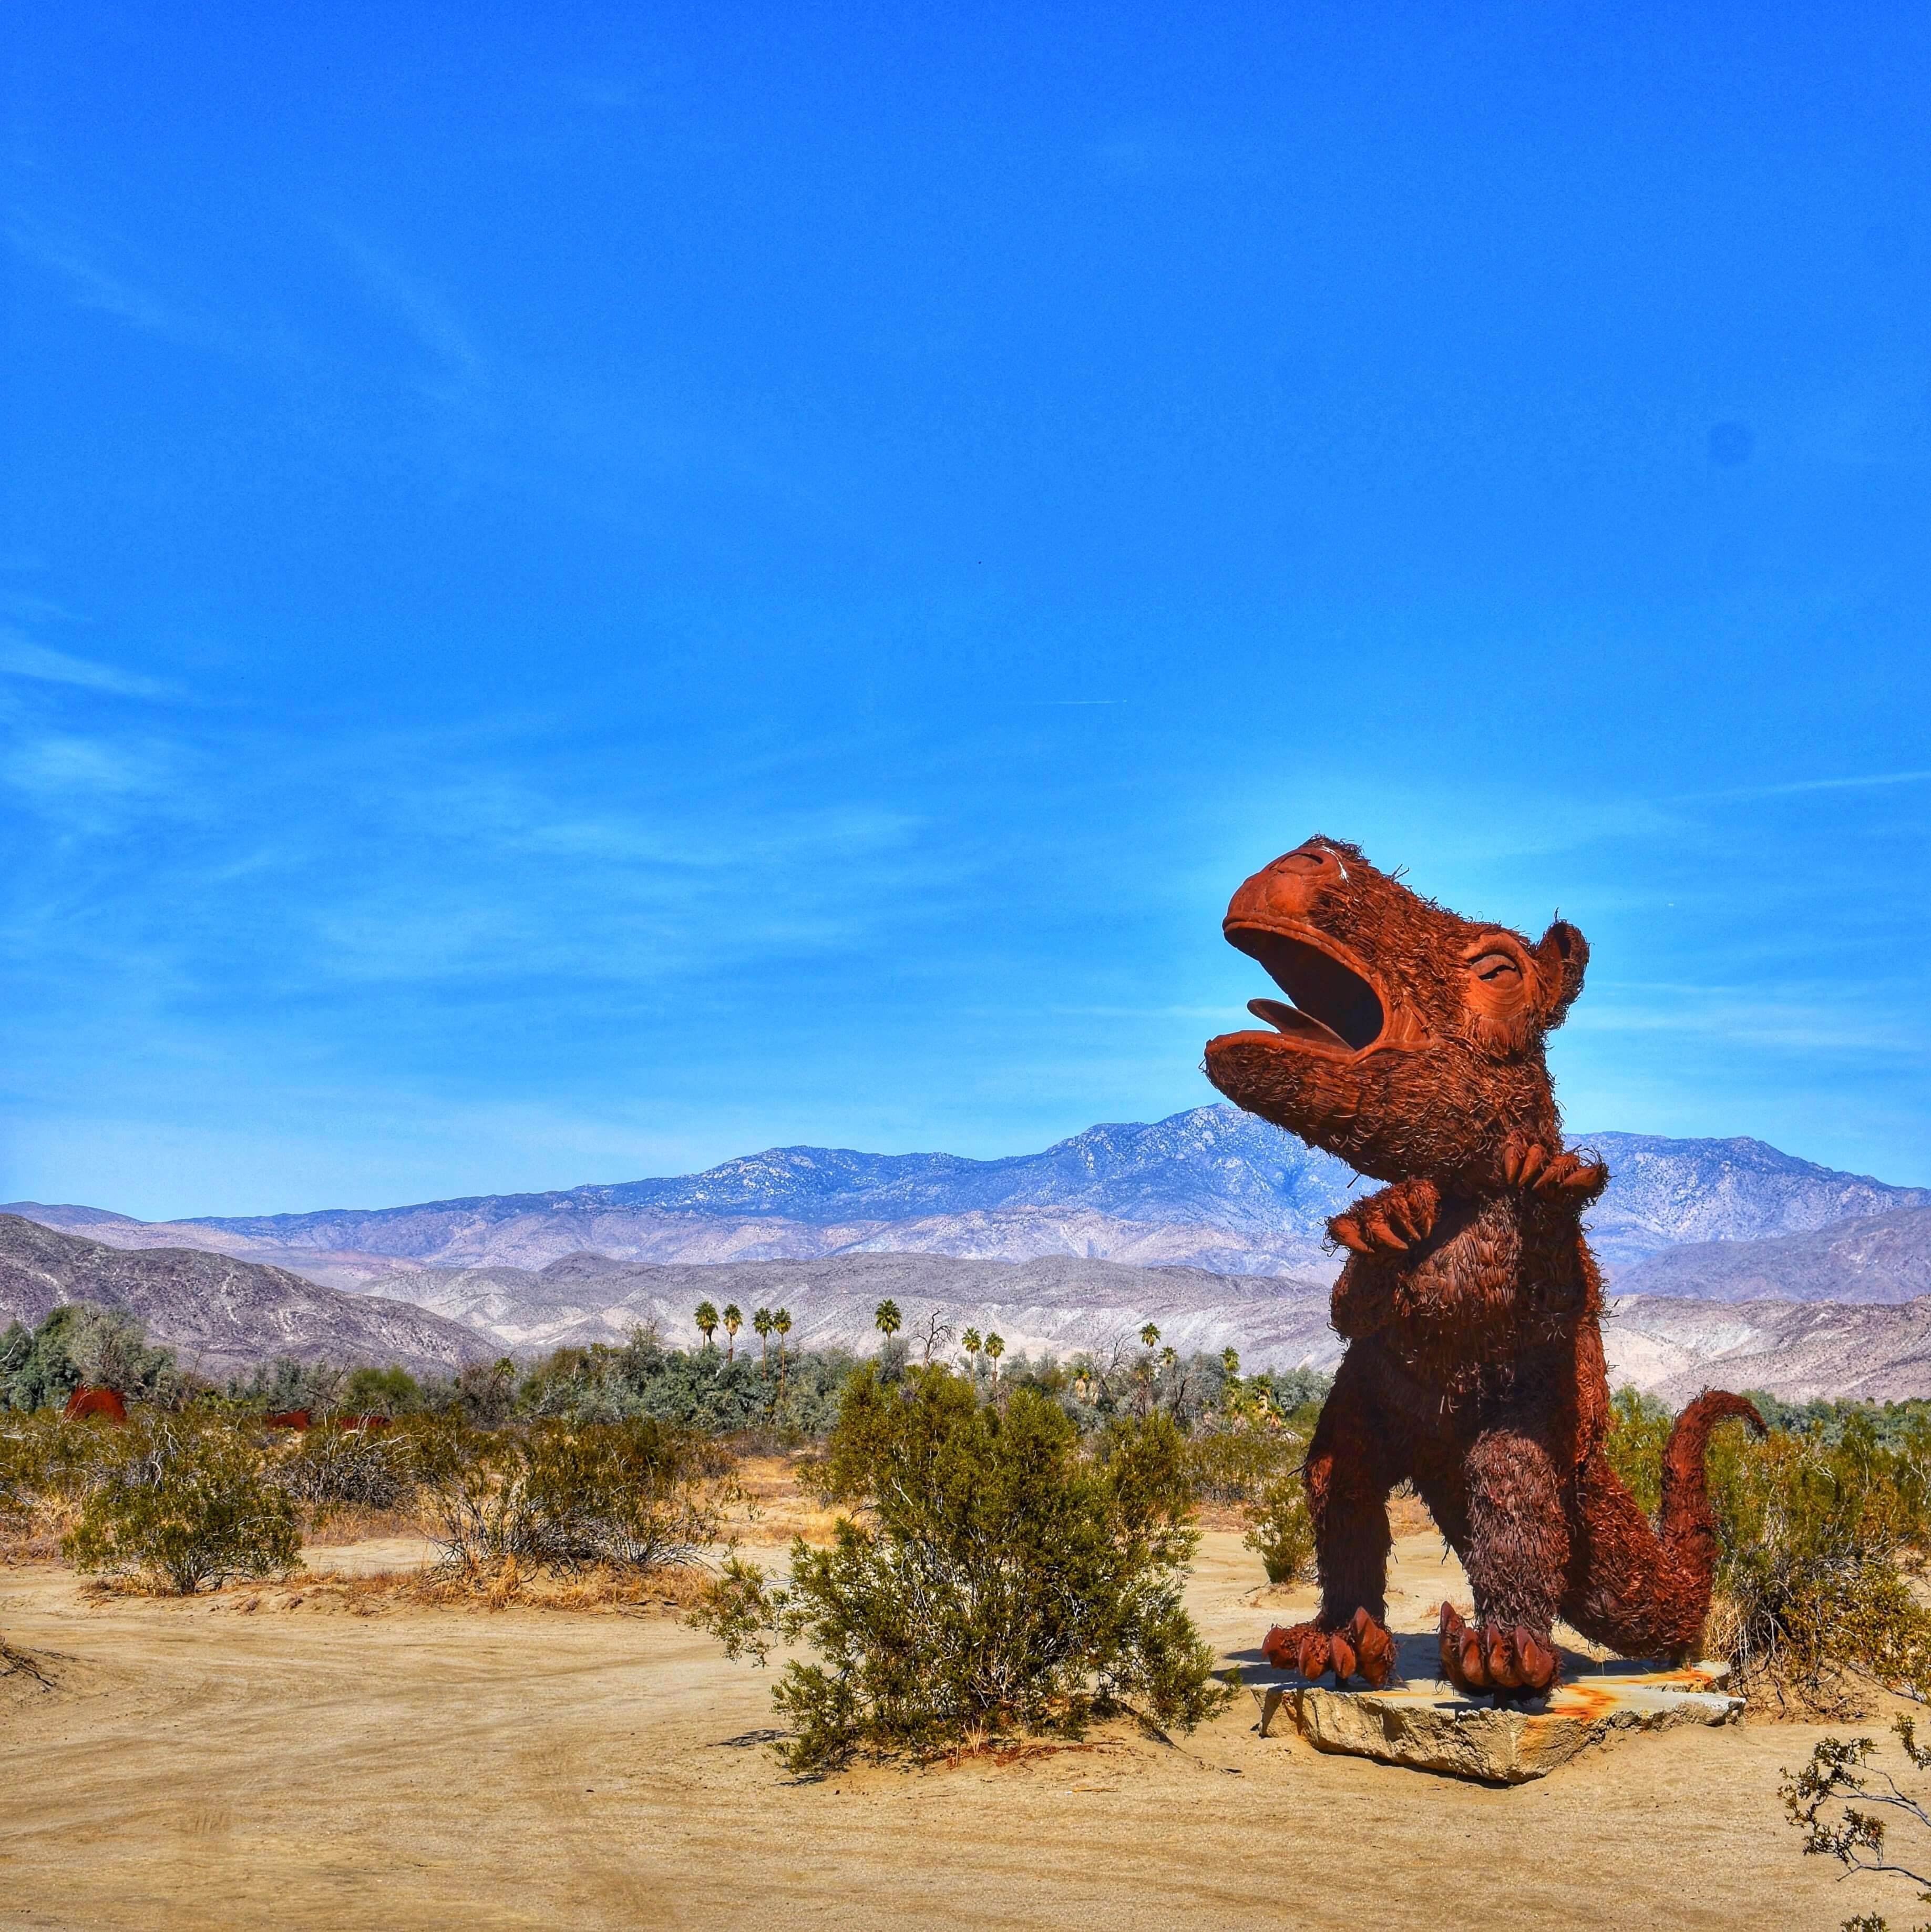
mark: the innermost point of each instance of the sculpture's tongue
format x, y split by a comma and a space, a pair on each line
1292, 1021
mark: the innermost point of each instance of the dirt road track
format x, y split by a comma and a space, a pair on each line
201, 1769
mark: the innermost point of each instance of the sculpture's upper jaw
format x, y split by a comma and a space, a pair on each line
1342, 1005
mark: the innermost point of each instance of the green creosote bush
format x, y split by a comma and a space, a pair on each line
1255, 1459
701, 1390
999, 1580
1240, 1463
560, 1496
77, 1344
1279, 1530
392, 1391
1820, 1537
49, 1465
273, 1387
183, 1504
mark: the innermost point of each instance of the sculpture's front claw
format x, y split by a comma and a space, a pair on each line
1508, 1662
1360, 1647
1560, 1176
1390, 1221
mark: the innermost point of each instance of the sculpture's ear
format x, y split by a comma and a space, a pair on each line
1562, 955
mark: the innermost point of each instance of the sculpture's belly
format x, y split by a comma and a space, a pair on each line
1472, 1309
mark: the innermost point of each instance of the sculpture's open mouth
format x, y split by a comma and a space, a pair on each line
1335, 1009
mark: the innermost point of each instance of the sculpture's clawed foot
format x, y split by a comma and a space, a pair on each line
1511, 1662
1561, 1176
1362, 1647
1389, 1220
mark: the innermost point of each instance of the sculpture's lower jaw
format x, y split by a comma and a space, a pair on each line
1310, 1092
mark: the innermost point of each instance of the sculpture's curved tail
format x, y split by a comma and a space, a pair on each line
1688, 1523
1646, 1597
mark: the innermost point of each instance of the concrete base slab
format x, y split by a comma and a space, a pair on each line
1431, 1726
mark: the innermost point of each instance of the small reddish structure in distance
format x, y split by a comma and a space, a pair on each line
289, 1418
86, 1402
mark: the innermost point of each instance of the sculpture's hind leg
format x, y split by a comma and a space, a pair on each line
1517, 1558
1348, 1477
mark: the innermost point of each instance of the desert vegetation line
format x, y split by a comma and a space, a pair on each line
622, 1461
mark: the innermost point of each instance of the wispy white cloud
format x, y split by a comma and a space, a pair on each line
424, 311
1865, 1018
21, 657
1868, 781
477, 881
91, 286
88, 796
84, 263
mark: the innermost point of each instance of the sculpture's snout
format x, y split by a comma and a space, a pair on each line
1289, 888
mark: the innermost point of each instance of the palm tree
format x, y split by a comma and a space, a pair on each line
1230, 1363
761, 1322
706, 1319
733, 1320
994, 1348
888, 1319
971, 1344
1149, 1335
781, 1321
1169, 1355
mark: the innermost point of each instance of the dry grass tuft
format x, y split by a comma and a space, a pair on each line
31, 1532
345, 1522
608, 1590
773, 1506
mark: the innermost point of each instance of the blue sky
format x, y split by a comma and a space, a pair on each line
581, 594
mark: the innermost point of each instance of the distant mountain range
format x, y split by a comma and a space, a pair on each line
1674, 1347
1055, 1304
1212, 1189
1869, 1257
1210, 1223
1669, 1347
224, 1315
220, 1315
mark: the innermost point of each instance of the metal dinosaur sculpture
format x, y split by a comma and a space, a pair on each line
1412, 1048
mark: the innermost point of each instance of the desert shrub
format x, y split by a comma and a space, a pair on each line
1845, 1807
1891, 1422
1257, 1465
328, 1469
284, 1383
77, 1344
482, 1393
562, 1495
1639, 1428
1820, 1537
54, 1464
1279, 1530
17, 1496
45, 1469
185, 1505
1820, 1543
390, 1391
1001, 1578
703, 1391
1239, 1465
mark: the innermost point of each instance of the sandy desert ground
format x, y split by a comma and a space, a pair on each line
199, 1765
